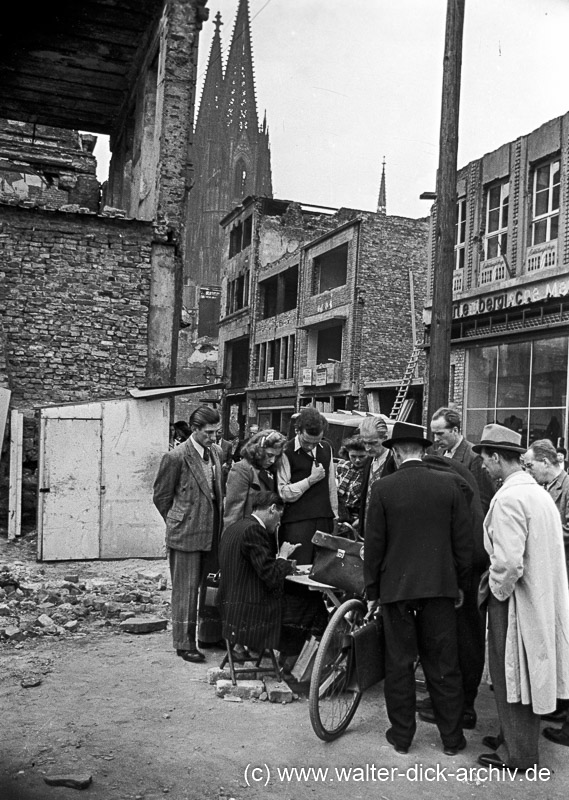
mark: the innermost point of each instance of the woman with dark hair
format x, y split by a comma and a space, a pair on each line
182, 431
254, 473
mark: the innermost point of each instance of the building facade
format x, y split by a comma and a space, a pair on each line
317, 309
509, 352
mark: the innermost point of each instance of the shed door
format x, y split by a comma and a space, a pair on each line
70, 489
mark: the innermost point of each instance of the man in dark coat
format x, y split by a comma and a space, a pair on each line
418, 549
471, 621
188, 493
252, 576
450, 443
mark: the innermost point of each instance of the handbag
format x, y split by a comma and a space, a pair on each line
339, 562
369, 654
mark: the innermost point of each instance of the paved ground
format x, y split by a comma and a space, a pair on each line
145, 724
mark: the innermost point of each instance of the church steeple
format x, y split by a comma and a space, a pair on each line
382, 200
213, 84
240, 104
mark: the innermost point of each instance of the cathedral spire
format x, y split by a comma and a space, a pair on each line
212, 88
240, 104
381, 201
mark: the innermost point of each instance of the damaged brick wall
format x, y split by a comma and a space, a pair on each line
75, 294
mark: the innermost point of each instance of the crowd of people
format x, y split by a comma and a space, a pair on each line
465, 546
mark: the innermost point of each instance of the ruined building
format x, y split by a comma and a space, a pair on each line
232, 160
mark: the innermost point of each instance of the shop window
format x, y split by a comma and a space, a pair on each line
329, 344
330, 269
274, 360
521, 385
497, 203
545, 202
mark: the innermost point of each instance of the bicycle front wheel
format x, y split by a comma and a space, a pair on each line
333, 699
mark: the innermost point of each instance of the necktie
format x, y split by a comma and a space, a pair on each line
205, 454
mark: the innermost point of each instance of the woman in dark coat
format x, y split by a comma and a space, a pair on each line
253, 474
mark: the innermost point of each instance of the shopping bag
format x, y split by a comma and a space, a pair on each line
339, 562
369, 654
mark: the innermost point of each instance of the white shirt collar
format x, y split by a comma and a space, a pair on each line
260, 521
197, 446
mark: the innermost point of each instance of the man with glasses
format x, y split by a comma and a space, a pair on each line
542, 464
306, 481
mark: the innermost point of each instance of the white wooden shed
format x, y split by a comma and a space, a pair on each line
97, 464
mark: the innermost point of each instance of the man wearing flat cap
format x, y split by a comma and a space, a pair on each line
418, 548
528, 603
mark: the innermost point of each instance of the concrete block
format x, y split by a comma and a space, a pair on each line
278, 691
143, 624
244, 689
215, 674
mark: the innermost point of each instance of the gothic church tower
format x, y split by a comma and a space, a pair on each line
231, 151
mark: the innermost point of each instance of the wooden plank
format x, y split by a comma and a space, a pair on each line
5, 395
15, 490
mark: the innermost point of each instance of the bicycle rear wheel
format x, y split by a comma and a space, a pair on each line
333, 699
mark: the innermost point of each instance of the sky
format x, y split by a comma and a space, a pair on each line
346, 83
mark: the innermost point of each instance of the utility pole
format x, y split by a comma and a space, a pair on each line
439, 356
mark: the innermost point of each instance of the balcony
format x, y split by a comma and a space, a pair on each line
541, 256
322, 374
492, 271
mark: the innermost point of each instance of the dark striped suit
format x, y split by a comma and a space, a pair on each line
251, 585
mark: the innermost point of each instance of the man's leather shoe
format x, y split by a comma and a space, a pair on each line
399, 748
468, 718
494, 760
556, 735
191, 655
449, 750
493, 742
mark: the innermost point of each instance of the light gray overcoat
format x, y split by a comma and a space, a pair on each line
524, 539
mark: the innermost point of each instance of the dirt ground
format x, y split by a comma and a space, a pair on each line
145, 725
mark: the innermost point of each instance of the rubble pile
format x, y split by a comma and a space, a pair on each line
33, 604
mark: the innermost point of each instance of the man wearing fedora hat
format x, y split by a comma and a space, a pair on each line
418, 547
528, 602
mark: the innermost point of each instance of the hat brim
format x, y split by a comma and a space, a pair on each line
400, 440
513, 448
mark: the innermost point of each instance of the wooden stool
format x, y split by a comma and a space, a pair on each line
232, 658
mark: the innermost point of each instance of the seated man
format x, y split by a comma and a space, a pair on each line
252, 575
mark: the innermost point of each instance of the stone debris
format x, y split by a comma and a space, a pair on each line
278, 691
247, 690
31, 680
79, 780
33, 604
143, 624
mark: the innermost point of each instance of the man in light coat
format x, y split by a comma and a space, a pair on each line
528, 603
188, 493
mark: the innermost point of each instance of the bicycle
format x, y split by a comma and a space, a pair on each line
334, 694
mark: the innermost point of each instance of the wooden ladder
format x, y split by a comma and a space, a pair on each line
405, 383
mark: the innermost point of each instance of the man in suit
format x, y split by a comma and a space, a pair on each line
528, 603
253, 573
541, 461
188, 493
418, 547
449, 442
